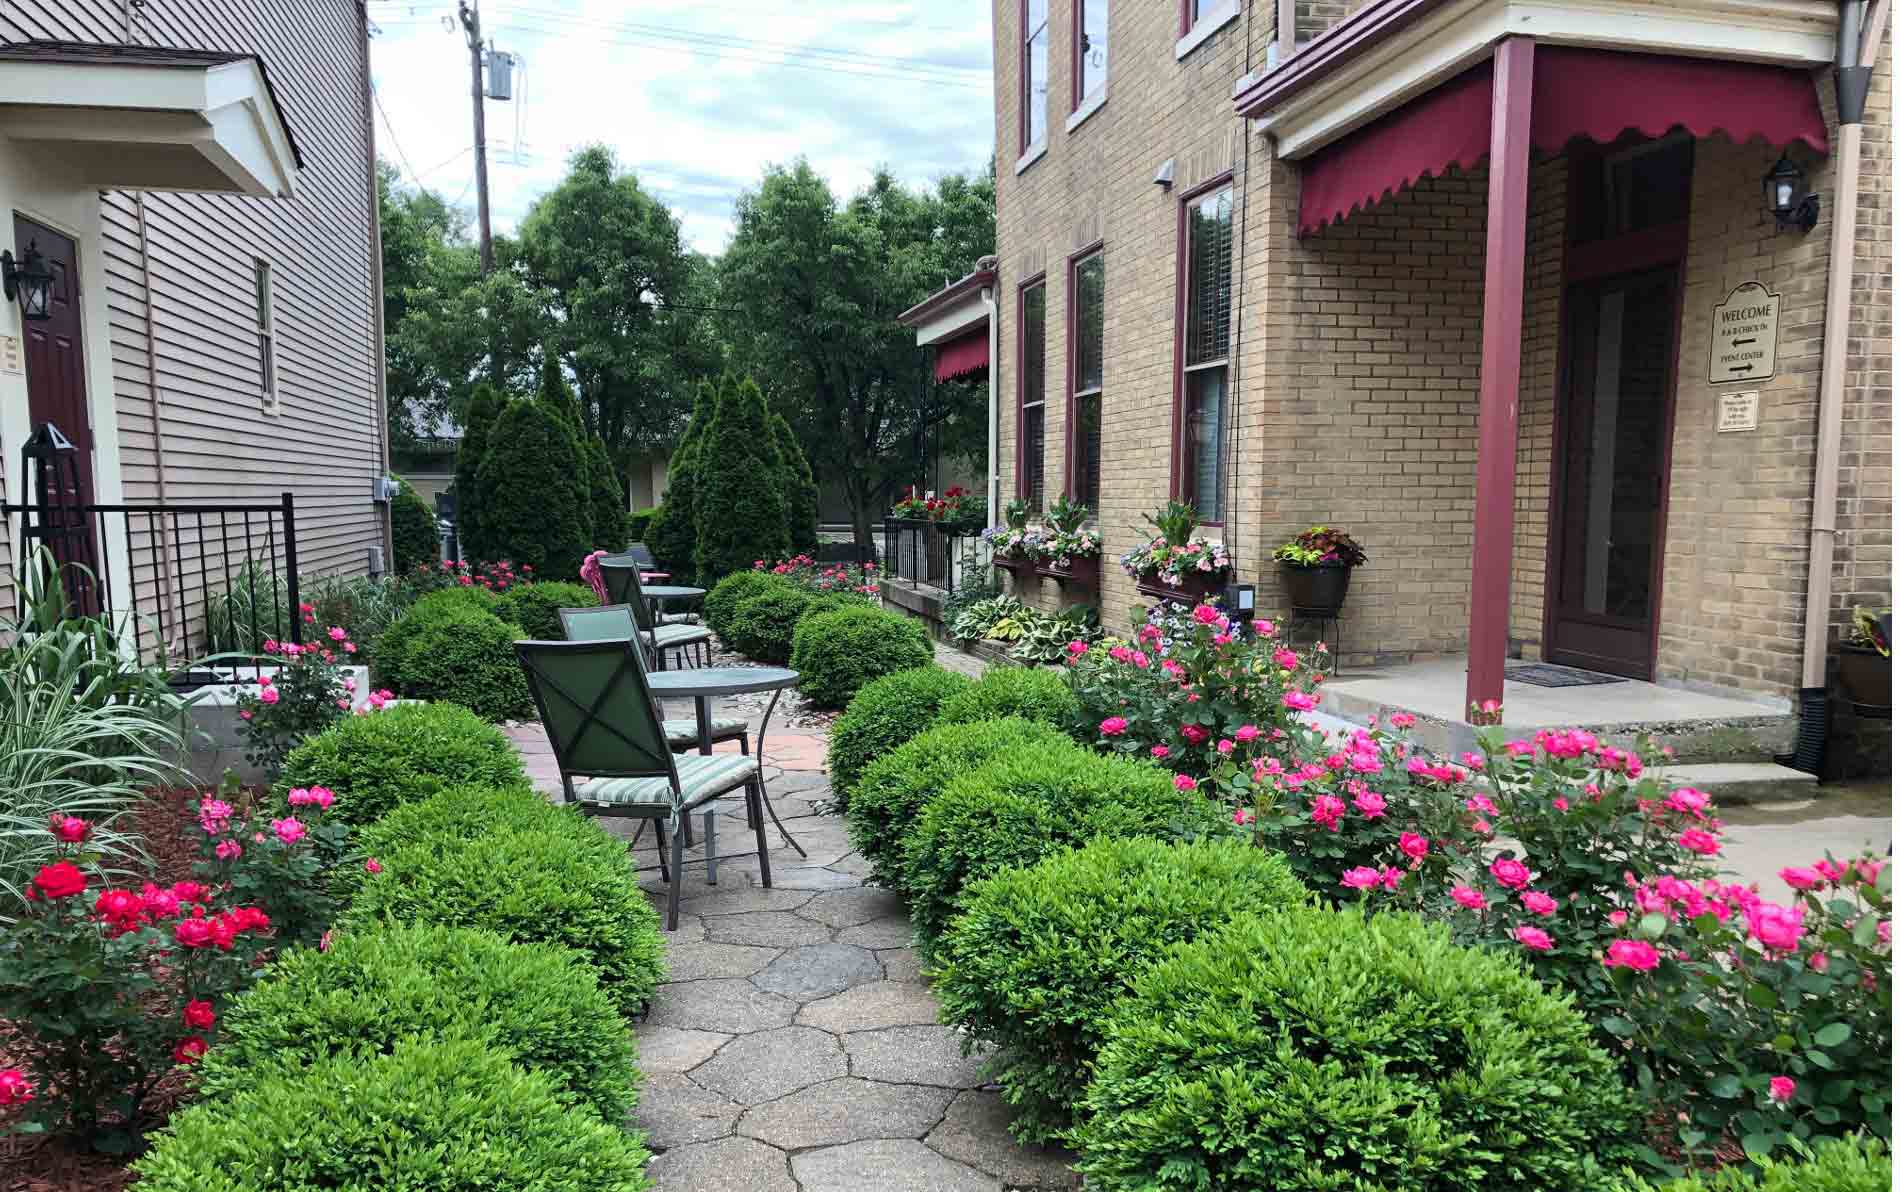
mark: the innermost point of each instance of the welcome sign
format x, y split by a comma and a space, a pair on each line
1747, 324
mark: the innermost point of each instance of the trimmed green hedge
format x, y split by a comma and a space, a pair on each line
722, 602
837, 652
891, 791
1838, 1165
1023, 805
389, 651
762, 625
468, 659
534, 884
1039, 956
884, 714
1031, 693
542, 1007
1326, 1049
536, 607
435, 1115
405, 754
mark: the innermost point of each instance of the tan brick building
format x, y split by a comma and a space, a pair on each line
1170, 154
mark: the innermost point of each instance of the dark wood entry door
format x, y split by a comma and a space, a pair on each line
1614, 421
56, 353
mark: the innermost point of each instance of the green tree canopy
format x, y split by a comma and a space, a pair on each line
739, 508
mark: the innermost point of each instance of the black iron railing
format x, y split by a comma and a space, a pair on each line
179, 576
923, 553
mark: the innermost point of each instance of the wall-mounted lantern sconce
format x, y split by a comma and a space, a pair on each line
1164, 177
1785, 189
31, 281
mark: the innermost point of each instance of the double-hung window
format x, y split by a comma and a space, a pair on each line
1032, 344
1085, 400
1091, 49
266, 334
1208, 275
1035, 74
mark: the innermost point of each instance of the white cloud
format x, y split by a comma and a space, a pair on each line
696, 98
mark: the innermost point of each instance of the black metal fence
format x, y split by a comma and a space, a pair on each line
178, 577
930, 553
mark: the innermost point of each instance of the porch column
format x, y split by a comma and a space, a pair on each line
1505, 219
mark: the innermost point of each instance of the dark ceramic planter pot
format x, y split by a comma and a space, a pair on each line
1316, 591
1867, 676
1195, 587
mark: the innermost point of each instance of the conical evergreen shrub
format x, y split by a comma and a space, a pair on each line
484, 407
673, 535
739, 507
606, 497
561, 402
800, 489
534, 495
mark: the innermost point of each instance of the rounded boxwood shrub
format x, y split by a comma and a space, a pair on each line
459, 814
1023, 805
884, 714
536, 607
547, 884
469, 659
388, 651
1328, 1049
837, 652
893, 788
722, 603
1039, 956
376, 763
762, 625
1031, 693
1839, 1165
540, 1006
434, 1115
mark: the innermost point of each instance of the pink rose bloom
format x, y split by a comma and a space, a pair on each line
1479, 805
1328, 810
1224, 747
1114, 726
1077, 648
1248, 732
1870, 870
1618, 918
1780, 1089
69, 829
1560, 803
1206, 614
1510, 873
1831, 870
1403, 720
337, 633
1535, 939
1414, 846
1699, 842
1223, 639
1640, 955
15, 1088
1800, 877
372, 867
267, 696
1776, 928
1474, 760
1818, 962
1688, 799
1286, 659
1300, 701
1194, 734
1885, 931
1371, 804
1361, 877
1242, 816
1538, 903
1390, 877
1467, 897
228, 850
1159, 751
1184, 782
1481, 826
289, 830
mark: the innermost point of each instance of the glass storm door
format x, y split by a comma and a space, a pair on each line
1614, 425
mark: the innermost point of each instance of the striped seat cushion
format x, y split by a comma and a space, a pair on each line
702, 777
686, 732
679, 618
681, 635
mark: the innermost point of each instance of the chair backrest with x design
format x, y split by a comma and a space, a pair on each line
622, 581
598, 711
601, 623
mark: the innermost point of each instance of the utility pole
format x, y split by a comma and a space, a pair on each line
472, 26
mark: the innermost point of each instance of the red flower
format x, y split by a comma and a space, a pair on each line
190, 1050
192, 933
190, 891
14, 1087
62, 879
70, 828
199, 1015
118, 905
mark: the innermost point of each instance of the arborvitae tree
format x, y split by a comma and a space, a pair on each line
534, 492
739, 507
412, 529
484, 407
673, 534
801, 491
606, 496
561, 402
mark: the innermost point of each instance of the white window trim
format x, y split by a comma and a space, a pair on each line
1033, 154
1211, 22
1091, 104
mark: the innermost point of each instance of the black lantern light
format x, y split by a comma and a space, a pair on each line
31, 281
1785, 189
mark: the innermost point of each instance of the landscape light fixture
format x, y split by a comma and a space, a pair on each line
29, 280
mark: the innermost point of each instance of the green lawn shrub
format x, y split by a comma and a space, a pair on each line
640, 524
839, 651
1032, 693
892, 789
469, 659
762, 625
534, 483
1039, 956
1839, 1165
1329, 1049
884, 714
391, 647
722, 602
535, 884
540, 1006
405, 754
434, 1115
536, 607
1022, 806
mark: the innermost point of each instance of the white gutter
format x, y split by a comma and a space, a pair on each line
994, 491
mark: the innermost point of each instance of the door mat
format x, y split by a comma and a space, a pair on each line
1548, 674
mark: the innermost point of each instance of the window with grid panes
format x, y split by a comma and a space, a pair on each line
1209, 280
1033, 365
1085, 482
1035, 72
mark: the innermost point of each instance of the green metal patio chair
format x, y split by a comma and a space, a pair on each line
621, 577
614, 622
601, 719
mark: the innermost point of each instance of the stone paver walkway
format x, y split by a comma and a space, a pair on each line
795, 1047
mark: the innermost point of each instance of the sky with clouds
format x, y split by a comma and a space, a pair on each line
696, 98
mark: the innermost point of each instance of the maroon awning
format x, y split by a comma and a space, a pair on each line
966, 354
1599, 94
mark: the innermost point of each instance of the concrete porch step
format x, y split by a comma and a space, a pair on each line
1741, 782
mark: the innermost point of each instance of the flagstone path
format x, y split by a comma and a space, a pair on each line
795, 1048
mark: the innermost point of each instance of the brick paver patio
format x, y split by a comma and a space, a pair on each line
796, 1048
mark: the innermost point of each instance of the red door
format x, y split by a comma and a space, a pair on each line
56, 393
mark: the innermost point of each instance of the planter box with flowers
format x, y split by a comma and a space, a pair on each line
1013, 545
1177, 565
1068, 553
1317, 565
925, 523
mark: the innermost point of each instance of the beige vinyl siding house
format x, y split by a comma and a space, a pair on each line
232, 345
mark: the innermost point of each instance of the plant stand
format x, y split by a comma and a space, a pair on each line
1319, 620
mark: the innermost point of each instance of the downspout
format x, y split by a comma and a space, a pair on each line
379, 374
1852, 72
995, 492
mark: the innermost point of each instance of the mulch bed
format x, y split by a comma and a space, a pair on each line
36, 1163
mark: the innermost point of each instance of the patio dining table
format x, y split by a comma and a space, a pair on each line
703, 685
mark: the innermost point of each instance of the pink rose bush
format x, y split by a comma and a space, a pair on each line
304, 696
276, 852
849, 579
